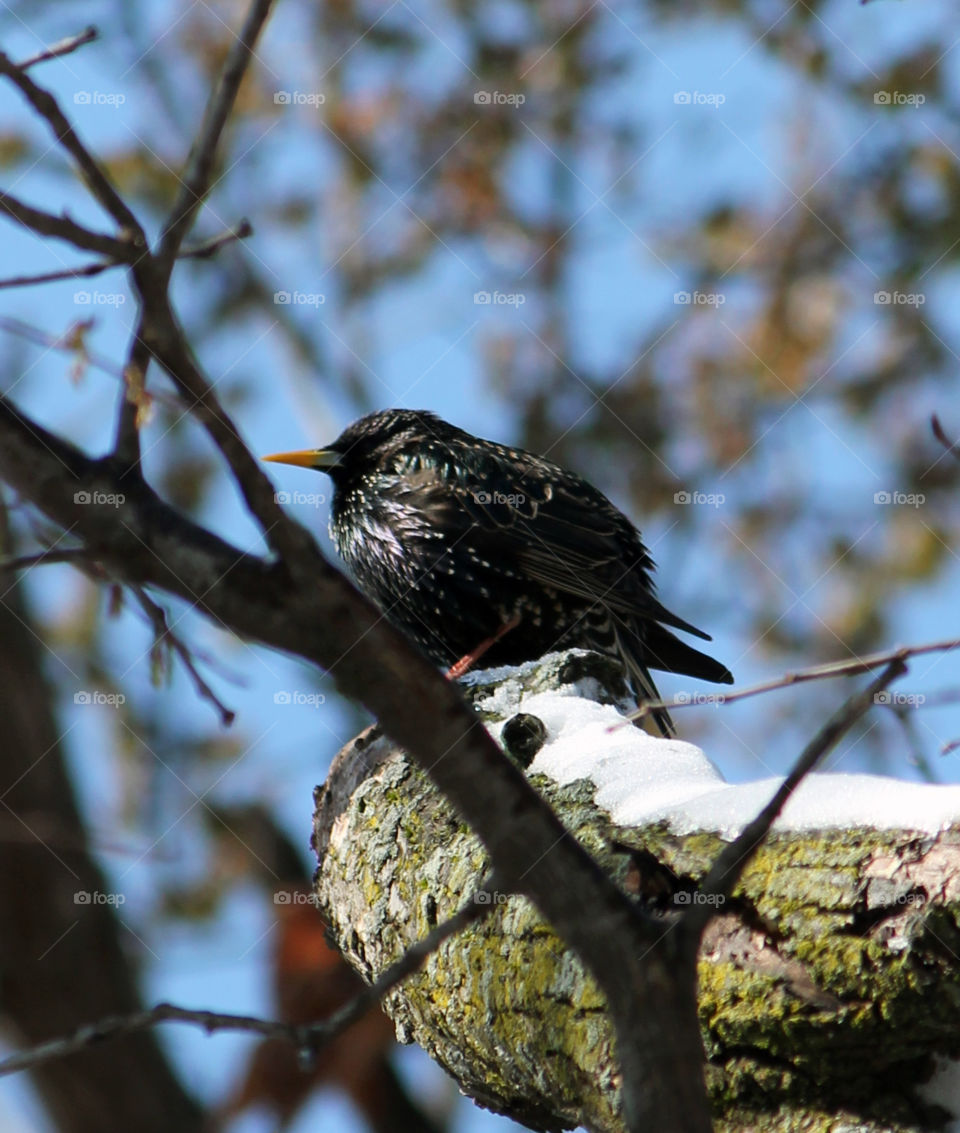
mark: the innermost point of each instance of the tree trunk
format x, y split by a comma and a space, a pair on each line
826, 985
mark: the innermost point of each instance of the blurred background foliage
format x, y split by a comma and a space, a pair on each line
706, 254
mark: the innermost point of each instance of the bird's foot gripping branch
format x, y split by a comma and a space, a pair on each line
827, 983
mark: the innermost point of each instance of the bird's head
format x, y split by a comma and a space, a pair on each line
368, 443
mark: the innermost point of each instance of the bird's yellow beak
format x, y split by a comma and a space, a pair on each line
306, 458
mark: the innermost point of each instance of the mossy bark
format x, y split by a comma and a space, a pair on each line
826, 985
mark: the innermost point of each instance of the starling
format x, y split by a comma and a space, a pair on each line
470, 547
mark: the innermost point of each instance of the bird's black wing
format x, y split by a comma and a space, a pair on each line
565, 533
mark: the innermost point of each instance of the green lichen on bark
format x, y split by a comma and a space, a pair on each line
826, 984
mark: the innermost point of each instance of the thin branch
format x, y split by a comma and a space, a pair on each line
938, 432
62, 228
78, 556
134, 401
196, 182
164, 633
83, 271
61, 48
208, 248
311, 1037
72, 555
168, 344
202, 251
729, 866
97, 181
64, 344
411, 961
800, 676
164, 335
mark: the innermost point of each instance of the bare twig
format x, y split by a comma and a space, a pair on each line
310, 1038
164, 336
82, 271
99, 361
168, 344
800, 676
97, 181
133, 402
938, 432
729, 866
72, 555
62, 228
196, 182
201, 251
207, 248
161, 628
79, 556
61, 48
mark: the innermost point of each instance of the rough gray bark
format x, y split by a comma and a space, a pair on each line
826, 987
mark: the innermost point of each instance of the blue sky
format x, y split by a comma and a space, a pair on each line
420, 344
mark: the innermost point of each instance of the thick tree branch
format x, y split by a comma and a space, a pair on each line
311, 611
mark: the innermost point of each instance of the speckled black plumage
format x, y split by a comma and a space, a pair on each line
452, 536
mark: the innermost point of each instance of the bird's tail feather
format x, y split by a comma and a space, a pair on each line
664, 651
644, 688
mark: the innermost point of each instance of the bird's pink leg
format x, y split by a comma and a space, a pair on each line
466, 663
